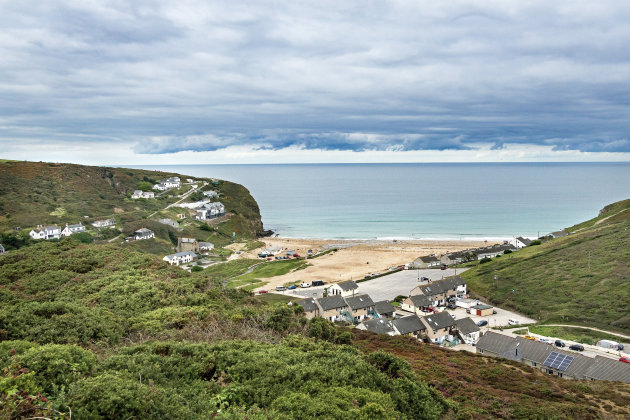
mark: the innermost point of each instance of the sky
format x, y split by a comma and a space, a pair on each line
158, 82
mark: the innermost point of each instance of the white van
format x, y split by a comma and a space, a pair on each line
280, 288
513, 321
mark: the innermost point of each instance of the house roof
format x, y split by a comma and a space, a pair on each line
420, 301
442, 286
496, 343
482, 306
206, 245
359, 302
466, 326
607, 369
51, 227
524, 240
143, 230
78, 225
181, 254
331, 302
494, 249
378, 326
428, 259
348, 285
384, 307
439, 320
309, 304
408, 324
188, 240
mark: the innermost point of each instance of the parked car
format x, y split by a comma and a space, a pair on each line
280, 288
430, 309
494, 312
304, 284
544, 340
424, 279
317, 283
292, 287
560, 343
529, 337
451, 306
513, 321
296, 255
576, 347
624, 359
482, 323
260, 292
443, 267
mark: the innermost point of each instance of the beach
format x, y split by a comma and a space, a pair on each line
354, 259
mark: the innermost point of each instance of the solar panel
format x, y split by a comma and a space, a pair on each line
558, 361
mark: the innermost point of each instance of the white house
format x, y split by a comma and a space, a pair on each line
205, 246
468, 331
211, 194
142, 194
521, 242
48, 232
493, 251
70, 229
172, 182
104, 223
180, 258
346, 288
210, 211
143, 233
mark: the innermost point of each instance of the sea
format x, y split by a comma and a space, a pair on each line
456, 201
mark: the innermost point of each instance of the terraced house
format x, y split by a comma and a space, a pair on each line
440, 327
334, 308
360, 307
440, 291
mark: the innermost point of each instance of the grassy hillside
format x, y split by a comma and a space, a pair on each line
106, 332
582, 278
35, 193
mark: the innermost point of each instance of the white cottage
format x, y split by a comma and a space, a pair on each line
346, 288
70, 229
180, 258
48, 232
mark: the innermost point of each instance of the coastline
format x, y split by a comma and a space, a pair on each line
354, 259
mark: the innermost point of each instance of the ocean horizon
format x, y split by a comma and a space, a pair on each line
423, 201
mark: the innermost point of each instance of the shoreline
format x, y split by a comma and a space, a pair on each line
354, 259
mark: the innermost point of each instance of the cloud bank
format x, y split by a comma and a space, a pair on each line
163, 77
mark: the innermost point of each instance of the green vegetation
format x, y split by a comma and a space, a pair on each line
620, 208
581, 335
577, 279
251, 245
267, 270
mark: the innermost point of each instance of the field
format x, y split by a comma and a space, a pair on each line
267, 270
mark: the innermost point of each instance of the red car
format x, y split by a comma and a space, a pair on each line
260, 292
443, 267
624, 359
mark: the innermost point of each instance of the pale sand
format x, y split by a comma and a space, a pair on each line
355, 259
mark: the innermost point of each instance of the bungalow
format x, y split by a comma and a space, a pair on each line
346, 288
104, 223
311, 309
210, 194
142, 194
455, 257
180, 258
187, 244
410, 326
440, 327
426, 262
482, 310
417, 304
378, 326
210, 211
468, 331
559, 234
334, 308
2, 250
48, 232
606, 369
70, 229
521, 242
172, 182
204, 247
360, 306
493, 251
143, 233
384, 309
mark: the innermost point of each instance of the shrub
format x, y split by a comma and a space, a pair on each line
535, 242
197, 268
485, 260
507, 251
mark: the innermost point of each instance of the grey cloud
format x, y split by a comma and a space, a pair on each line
194, 75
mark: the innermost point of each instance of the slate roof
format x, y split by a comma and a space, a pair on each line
494, 249
182, 254
420, 301
442, 286
428, 259
496, 343
384, 307
482, 306
331, 302
206, 245
607, 369
466, 326
309, 304
188, 240
439, 320
359, 302
348, 285
524, 240
408, 324
379, 326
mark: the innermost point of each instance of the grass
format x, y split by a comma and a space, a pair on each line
267, 270
229, 269
577, 279
273, 298
577, 334
251, 245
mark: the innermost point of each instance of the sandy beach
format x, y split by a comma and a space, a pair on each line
355, 259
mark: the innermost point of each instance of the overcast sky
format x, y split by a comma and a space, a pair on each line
123, 82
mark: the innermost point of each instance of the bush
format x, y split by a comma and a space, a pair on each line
197, 268
400, 298
83, 237
485, 260
534, 243
507, 251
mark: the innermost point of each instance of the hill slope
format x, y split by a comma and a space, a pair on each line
111, 333
583, 278
34, 193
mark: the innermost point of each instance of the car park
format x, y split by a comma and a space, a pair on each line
576, 347
482, 323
